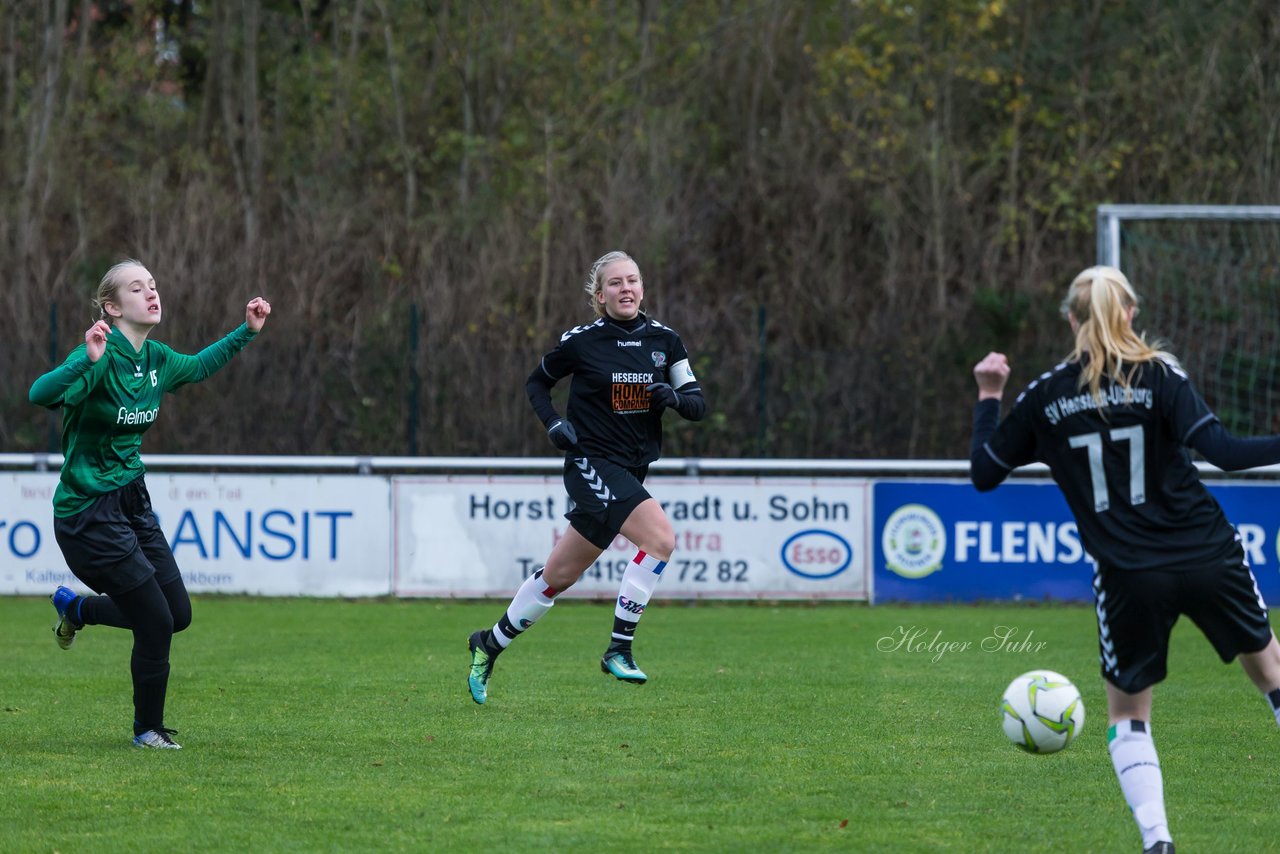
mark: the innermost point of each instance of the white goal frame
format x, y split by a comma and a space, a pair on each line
1110, 217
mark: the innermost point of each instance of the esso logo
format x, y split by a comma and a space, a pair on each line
816, 554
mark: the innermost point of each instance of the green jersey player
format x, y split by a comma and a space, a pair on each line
110, 390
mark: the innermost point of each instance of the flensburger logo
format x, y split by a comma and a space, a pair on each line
914, 541
137, 416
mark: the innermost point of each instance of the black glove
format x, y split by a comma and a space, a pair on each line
562, 435
662, 396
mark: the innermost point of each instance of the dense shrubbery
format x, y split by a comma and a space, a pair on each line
840, 205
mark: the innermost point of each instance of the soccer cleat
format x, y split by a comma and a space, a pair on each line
481, 667
1159, 848
64, 630
157, 738
620, 663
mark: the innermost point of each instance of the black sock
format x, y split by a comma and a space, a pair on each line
101, 611
73, 613
150, 684
1274, 698
624, 632
490, 643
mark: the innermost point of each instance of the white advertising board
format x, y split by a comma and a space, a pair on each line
736, 538
274, 535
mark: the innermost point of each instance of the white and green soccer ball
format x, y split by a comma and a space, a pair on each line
1042, 711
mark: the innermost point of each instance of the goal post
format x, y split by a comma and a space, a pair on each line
1209, 280
1112, 217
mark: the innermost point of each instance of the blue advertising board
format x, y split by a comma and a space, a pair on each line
943, 541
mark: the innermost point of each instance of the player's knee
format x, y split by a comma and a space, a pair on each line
660, 545
159, 625
1263, 666
181, 620
561, 578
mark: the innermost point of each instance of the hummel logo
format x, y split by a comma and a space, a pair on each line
629, 343
595, 481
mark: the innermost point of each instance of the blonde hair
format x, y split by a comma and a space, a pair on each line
110, 286
595, 283
1099, 300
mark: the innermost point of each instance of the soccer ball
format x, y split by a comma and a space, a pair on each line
1042, 711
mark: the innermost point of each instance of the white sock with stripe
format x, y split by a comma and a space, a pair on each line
638, 583
1133, 754
532, 600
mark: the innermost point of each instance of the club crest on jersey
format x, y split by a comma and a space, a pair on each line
659, 359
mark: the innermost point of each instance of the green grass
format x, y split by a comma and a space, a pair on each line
320, 725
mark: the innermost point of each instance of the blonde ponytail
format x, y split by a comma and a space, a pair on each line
1100, 300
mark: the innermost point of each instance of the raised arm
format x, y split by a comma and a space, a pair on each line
201, 366
50, 389
991, 374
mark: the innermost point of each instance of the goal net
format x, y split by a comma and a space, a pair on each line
1209, 280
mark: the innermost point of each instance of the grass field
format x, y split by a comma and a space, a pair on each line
320, 725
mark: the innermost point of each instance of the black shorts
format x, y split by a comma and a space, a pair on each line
115, 544
1137, 611
603, 495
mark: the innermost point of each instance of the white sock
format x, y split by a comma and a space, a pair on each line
532, 600
638, 583
1133, 754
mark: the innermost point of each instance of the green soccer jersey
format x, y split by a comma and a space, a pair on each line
107, 406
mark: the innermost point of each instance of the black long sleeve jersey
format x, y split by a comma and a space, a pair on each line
613, 364
1123, 466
